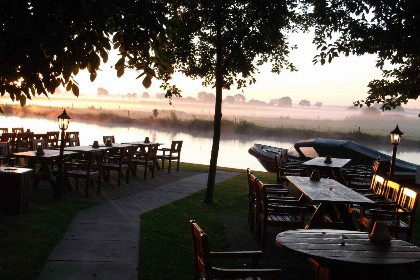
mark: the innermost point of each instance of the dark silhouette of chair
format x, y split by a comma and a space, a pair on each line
4, 130
24, 141
204, 269
174, 154
106, 138
278, 213
18, 130
4, 152
145, 156
71, 139
89, 171
39, 143
52, 139
119, 161
400, 219
274, 191
9, 138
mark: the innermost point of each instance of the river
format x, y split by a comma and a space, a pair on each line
197, 145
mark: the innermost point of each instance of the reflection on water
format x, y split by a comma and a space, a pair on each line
196, 148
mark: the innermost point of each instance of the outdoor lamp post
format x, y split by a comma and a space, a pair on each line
63, 124
396, 135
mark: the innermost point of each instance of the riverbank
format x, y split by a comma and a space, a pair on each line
376, 130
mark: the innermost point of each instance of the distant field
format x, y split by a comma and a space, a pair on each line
323, 119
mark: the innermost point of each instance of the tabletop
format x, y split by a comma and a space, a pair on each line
141, 143
320, 162
327, 190
348, 246
14, 170
114, 145
85, 148
47, 154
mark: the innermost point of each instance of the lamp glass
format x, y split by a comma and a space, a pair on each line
63, 123
63, 120
395, 138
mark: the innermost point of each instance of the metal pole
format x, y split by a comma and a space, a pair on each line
59, 180
394, 153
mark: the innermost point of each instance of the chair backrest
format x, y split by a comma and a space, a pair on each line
253, 188
8, 137
71, 134
39, 143
176, 147
72, 142
285, 171
18, 129
152, 151
52, 139
24, 141
40, 136
4, 149
95, 160
25, 136
4, 130
201, 251
377, 184
408, 200
106, 138
381, 167
392, 191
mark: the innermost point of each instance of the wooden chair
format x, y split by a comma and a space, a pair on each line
204, 269
174, 154
9, 138
52, 139
4, 130
143, 157
18, 130
119, 161
23, 141
71, 139
288, 214
106, 138
400, 219
4, 152
39, 143
89, 171
275, 191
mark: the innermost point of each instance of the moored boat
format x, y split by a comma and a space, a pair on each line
319, 147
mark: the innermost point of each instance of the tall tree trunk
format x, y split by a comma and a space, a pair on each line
218, 109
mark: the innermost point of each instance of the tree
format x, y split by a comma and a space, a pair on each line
206, 97
45, 43
282, 102
386, 28
160, 95
229, 99
304, 103
256, 102
155, 113
318, 104
145, 94
223, 42
239, 98
102, 92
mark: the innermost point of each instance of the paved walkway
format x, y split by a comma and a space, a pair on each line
102, 241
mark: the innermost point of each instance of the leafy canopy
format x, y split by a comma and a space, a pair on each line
45, 43
387, 28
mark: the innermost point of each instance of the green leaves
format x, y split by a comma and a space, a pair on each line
147, 81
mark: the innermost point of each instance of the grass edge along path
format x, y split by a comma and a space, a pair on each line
27, 240
165, 238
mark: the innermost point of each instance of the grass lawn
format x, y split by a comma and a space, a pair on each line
27, 240
165, 239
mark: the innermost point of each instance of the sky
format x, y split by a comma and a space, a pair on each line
341, 83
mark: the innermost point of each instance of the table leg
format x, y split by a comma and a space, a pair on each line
317, 219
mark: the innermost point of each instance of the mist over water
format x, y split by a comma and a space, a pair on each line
197, 145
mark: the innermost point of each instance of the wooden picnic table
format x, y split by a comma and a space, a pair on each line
332, 169
333, 199
44, 172
341, 254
